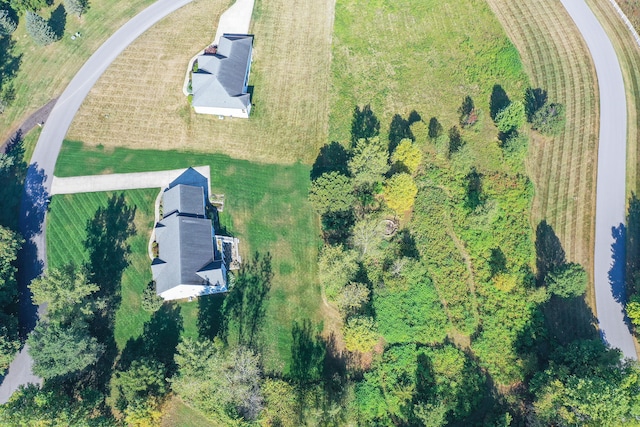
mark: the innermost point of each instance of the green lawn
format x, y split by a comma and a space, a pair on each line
65, 235
265, 207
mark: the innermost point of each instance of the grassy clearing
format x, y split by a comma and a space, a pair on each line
406, 61
177, 414
266, 207
563, 168
45, 71
290, 76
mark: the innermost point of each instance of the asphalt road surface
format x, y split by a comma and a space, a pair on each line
609, 267
32, 258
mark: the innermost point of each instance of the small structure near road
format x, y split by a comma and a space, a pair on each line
219, 82
189, 258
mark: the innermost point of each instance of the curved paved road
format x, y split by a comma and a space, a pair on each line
39, 176
609, 265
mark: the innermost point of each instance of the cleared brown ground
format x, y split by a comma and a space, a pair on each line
138, 103
563, 168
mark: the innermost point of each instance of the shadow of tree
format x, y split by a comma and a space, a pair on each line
497, 261
435, 128
616, 273
549, 252
9, 64
307, 354
211, 322
13, 171
534, 99
633, 246
332, 157
399, 129
106, 244
365, 124
159, 339
245, 305
474, 194
58, 21
499, 100
33, 208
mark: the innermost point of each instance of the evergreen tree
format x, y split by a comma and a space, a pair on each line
7, 24
77, 7
39, 29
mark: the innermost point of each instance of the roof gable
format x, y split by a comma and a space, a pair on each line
220, 79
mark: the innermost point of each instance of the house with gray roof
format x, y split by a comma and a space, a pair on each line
220, 84
190, 261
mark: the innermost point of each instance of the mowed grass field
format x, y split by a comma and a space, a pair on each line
44, 72
563, 168
400, 56
138, 103
266, 207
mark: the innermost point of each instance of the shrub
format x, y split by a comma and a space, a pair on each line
39, 29
151, 301
360, 334
511, 118
550, 119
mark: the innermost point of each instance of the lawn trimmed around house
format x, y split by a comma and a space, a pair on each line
66, 231
266, 207
289, 85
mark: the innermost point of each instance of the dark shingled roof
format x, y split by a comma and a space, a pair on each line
220, 79
186, 251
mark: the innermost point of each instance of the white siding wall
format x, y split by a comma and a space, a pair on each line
186, 291
227, 112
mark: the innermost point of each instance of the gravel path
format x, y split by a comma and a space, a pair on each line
39, 116
609, 265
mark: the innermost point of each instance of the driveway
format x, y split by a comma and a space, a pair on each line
119, 181
609, 265
32, 258
235, 20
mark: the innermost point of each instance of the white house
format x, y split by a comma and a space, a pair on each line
220, 84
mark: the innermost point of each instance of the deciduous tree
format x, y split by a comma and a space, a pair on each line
352, 298
408, 155
370, 161
511, 118
332, 192
568, 280
400, 192
360, 334
62, 289
550, 119
77, 7
337, 266
59, 349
